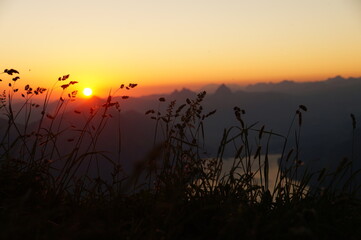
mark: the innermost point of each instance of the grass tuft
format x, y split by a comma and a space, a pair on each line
176, 192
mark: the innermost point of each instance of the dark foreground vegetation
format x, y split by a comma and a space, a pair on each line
53, 186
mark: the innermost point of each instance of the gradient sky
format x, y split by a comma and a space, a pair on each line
163, 44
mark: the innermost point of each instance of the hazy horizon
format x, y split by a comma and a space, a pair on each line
162, 45
143, 91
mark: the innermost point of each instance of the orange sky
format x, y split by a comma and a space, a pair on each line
168, 44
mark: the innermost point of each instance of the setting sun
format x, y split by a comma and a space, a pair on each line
87, 92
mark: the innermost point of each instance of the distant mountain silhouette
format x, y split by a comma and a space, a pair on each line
223, 90
211, 88
326, 134
182, 94
305, 87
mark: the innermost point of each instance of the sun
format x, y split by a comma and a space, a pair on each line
87, 92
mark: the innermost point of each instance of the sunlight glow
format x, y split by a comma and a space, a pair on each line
87, 92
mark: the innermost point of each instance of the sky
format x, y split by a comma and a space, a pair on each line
166, 44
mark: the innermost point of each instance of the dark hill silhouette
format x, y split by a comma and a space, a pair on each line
302, 88
223, 90
326, 134
211, 88
182, 94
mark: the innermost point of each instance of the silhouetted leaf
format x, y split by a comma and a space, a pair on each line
149, 111
261, 132
211, 113
353, 121
289, 154
50, 116
303, 107
180, 108
10, 71
65, 77
321, 175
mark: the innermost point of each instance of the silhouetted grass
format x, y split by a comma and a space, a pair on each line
175, 192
